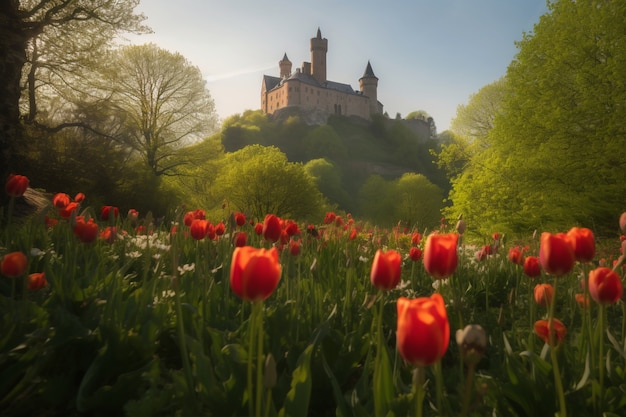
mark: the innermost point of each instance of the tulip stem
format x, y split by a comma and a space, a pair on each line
557, 379
601, 365
558, 383
439, 384
259, 357
378, 401
468, 385
255, 349
419, 392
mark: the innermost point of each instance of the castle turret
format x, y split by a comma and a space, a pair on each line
368, 84
285, 67
319, 47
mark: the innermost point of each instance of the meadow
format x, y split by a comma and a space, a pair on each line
107, 313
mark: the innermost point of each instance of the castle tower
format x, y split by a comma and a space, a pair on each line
319, 47
285, 67
368, 85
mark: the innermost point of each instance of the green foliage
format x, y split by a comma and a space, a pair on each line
259, 180
555, 154
323, 142
411, 200
328, 179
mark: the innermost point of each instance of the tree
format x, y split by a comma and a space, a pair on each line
411, 199
474, 120
418, 201
418, 114
259, 180
556, 155
160, 103
21, 22
328, 180
323, 141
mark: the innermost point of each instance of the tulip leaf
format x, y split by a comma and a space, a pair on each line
587, 371
616, 344
298, 397
342, 406
383, 383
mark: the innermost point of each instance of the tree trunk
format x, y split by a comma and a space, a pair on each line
13, 41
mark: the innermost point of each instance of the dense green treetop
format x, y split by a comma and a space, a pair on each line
556, 154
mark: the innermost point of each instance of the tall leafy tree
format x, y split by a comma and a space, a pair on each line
23, 26
160, 103
556, 155
475, 119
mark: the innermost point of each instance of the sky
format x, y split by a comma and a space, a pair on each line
429, 55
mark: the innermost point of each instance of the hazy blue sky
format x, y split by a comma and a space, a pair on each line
428, 54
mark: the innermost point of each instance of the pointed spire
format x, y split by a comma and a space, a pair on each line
368, 71
285, 59
319, 33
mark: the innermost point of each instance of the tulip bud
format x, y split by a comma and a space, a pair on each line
472, 341
622, 222
460, 226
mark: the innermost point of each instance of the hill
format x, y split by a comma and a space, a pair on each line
356, 148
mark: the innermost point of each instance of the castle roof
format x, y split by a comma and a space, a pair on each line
369, 73
276, 82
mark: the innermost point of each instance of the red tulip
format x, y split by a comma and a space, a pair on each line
79, 198
220, 229
13, 264
605, 286
294, 247
109, 234
210, 231
556, 254
329, 218
416, 238
254, 273
240, 219
241, 239
106, 211
291, 228
543, 294
271, 228
516, 255
258, 229
190, 216
440, 254
86, 231
353, 234
50, 222
16, 185
558, 330
60, 200
532, 268
36, 281
133, 215
198, 229
423, 331
415, 254
583, 243
582, 300
67, 211
385, 273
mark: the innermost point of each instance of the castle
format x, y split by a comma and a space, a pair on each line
308, 88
